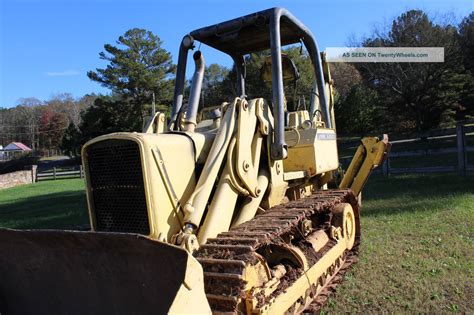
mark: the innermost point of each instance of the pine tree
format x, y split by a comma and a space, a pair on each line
138, 67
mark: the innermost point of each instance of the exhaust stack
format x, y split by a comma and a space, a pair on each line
195, 93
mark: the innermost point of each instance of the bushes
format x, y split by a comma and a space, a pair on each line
18, 163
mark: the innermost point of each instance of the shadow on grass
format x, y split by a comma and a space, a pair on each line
414, 193
63, 210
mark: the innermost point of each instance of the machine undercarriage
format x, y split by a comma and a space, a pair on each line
266, 264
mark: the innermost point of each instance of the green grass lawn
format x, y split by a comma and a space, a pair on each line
417, 248
417, 240
46, 205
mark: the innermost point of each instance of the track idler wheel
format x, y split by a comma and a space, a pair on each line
344, 218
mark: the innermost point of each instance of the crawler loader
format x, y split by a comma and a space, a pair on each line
240, 212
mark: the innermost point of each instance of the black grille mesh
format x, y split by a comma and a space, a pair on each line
117, 186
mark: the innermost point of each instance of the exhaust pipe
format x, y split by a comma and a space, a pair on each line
195, 93
186, 44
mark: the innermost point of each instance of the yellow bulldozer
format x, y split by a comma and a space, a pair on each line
239, 212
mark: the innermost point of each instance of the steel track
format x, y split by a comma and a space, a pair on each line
225, 257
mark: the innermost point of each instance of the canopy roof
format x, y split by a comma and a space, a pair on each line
251, 33
268, 29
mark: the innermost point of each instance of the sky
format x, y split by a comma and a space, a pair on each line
47, 46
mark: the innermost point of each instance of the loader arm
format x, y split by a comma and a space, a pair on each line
369, 155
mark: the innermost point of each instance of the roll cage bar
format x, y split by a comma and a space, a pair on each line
268, 29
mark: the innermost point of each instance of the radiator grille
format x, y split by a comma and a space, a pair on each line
117, 187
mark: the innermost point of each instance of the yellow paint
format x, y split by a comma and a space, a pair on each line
156, 150
369, 155
314, 151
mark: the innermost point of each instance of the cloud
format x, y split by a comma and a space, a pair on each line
66, 73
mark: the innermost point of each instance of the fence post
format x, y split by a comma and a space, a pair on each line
81, 171
54, 173
461, 145
33, 173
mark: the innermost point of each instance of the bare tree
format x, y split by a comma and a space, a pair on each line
345, 76
30, 112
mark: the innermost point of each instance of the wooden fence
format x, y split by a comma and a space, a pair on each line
461, 150
60, 173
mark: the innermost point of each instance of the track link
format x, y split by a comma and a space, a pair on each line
225, 257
